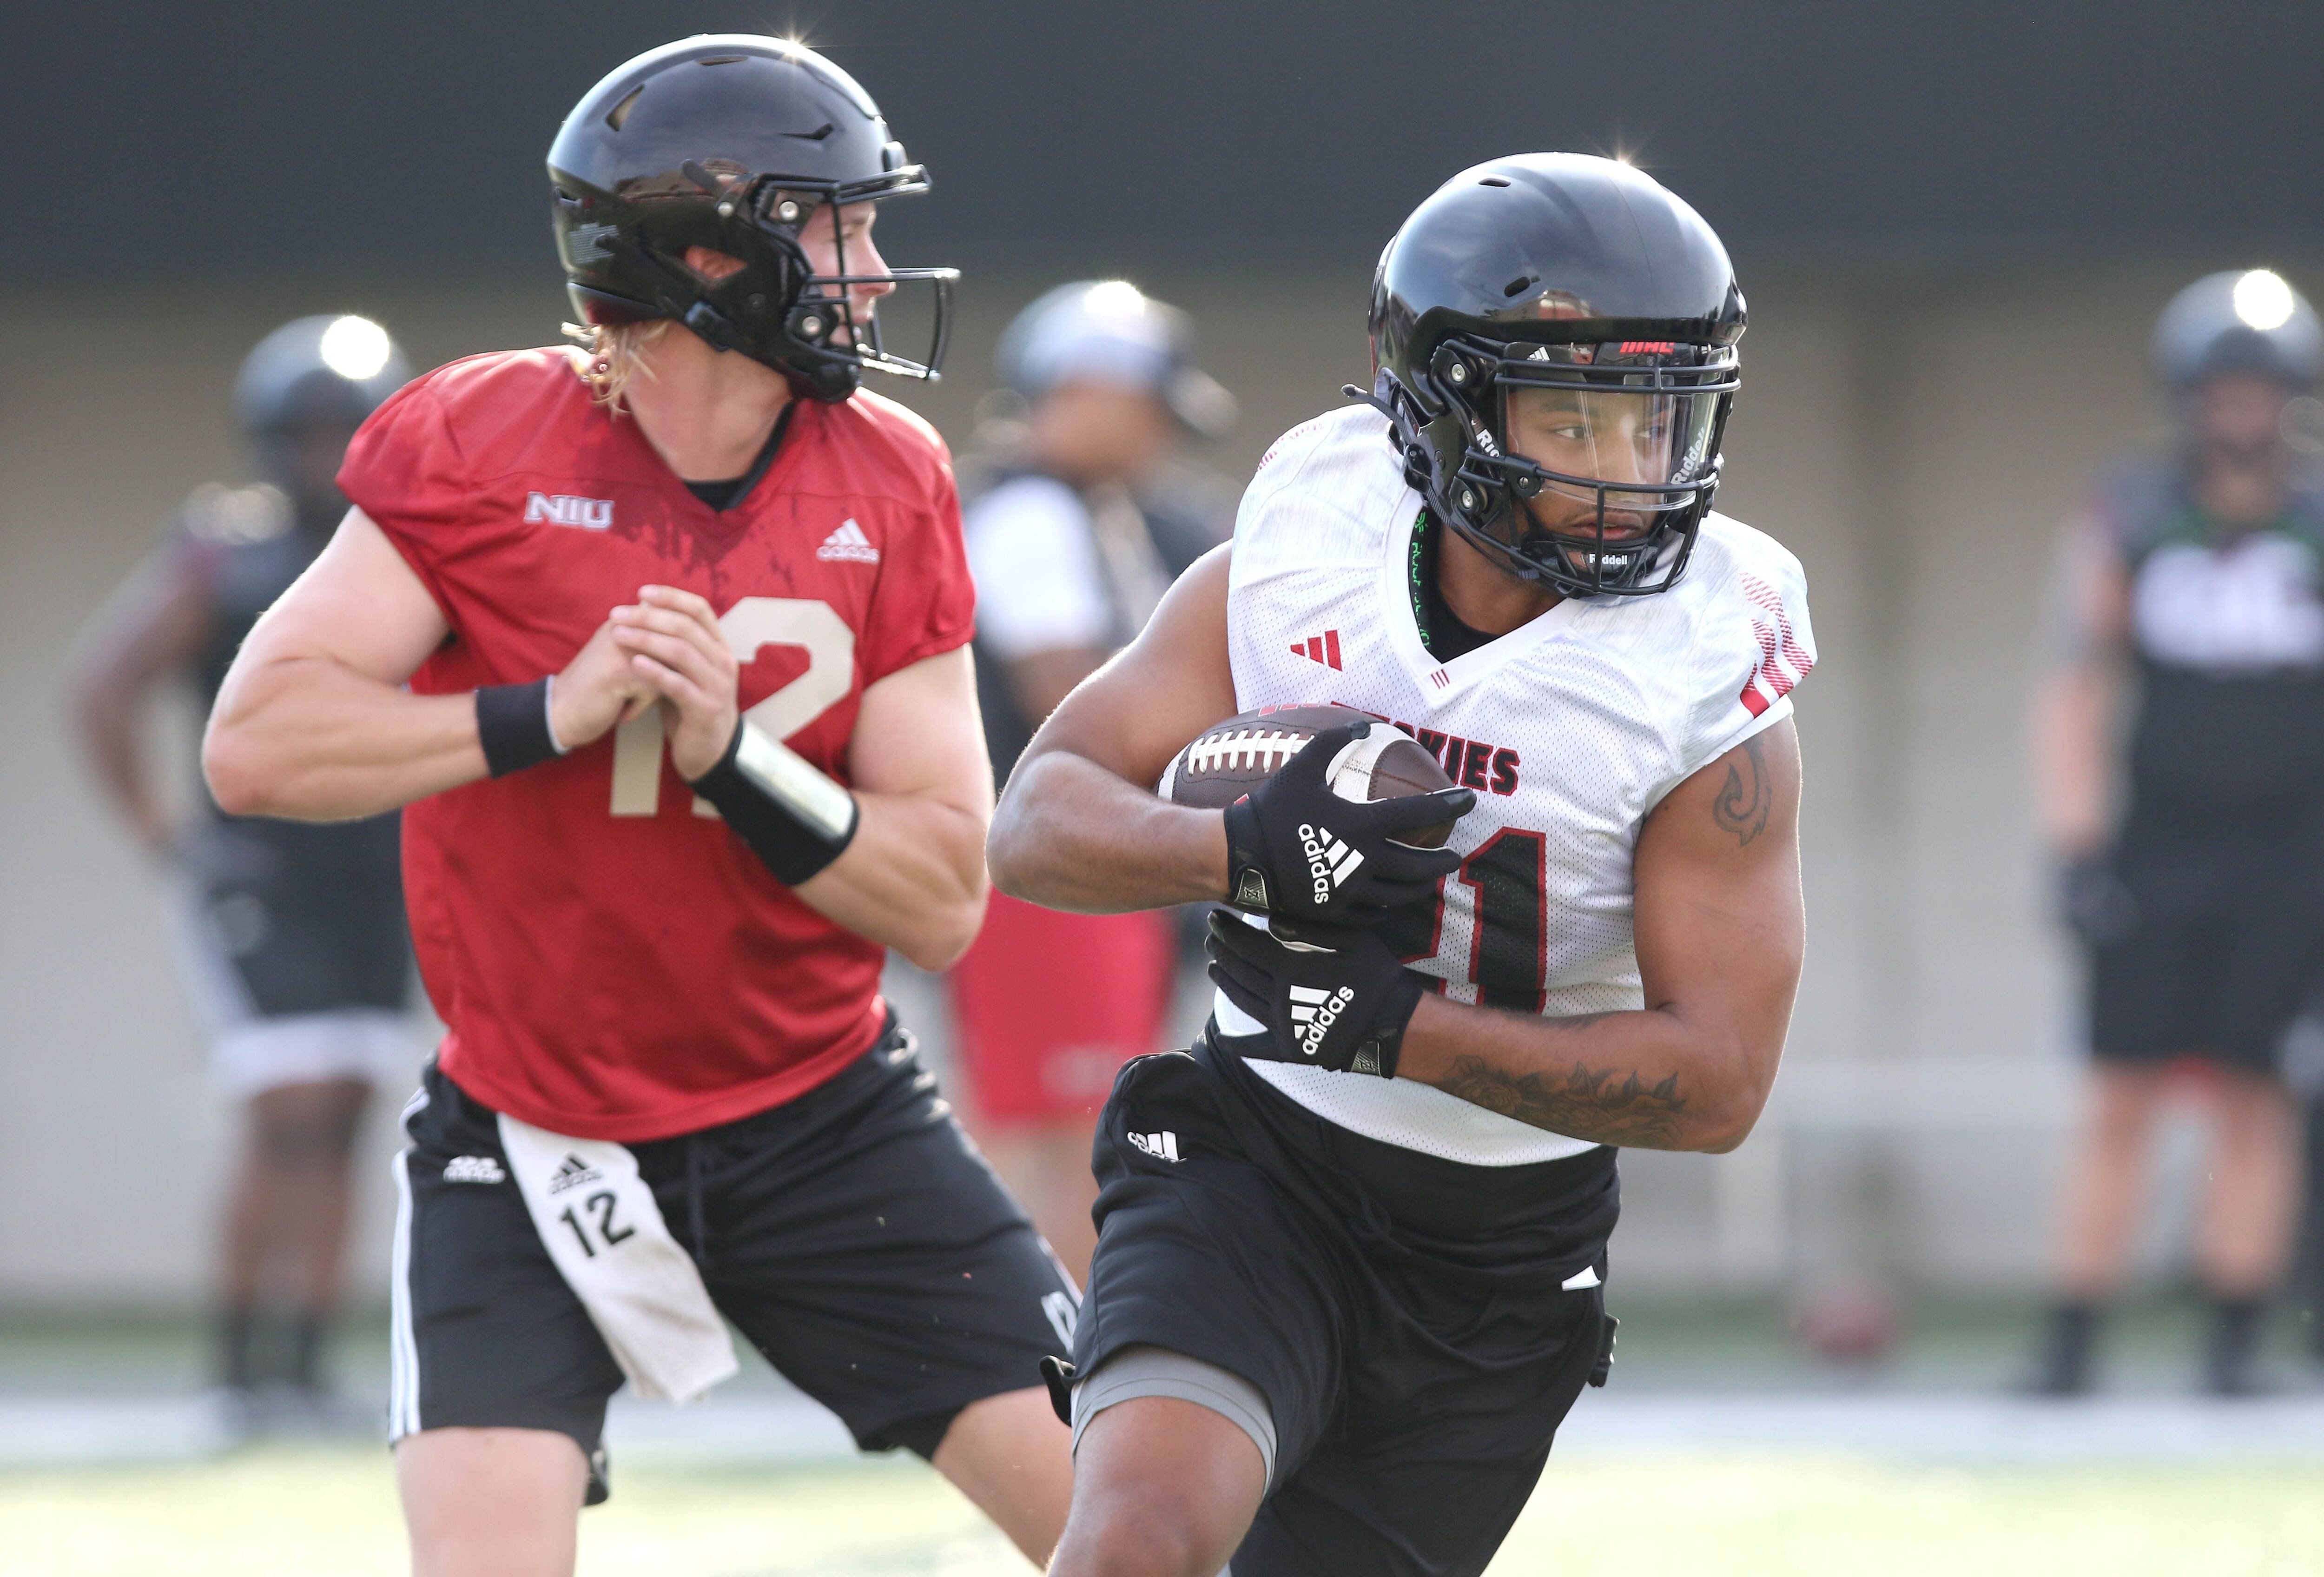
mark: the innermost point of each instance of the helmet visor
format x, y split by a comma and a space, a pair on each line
1607, 441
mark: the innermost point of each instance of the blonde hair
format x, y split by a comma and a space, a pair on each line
616, 354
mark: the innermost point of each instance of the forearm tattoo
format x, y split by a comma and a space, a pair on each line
1585, 1103
1743, 804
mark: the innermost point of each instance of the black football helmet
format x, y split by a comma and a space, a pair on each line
731, 141
1577, 296
2243, 320
331, 370
301, 393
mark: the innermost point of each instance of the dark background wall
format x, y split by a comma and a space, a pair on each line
187, 140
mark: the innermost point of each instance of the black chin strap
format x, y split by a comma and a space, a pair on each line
1418, 467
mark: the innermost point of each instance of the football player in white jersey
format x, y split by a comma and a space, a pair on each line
1349, 1281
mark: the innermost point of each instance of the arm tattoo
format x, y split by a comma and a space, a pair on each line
1586, 1103
1743, 804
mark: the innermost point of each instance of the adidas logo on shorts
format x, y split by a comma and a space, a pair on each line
1162, 1147
473, 1169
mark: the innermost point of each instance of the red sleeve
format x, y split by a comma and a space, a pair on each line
405, 471
927, 602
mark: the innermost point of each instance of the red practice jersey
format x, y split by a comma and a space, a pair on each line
611, 961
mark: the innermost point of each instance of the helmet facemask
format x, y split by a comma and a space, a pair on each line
1585, 467
776, 309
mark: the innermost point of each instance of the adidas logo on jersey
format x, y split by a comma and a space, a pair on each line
473, 1169
574, 1172
1330, 862
1318, 1011
565, 509
1323, 648
848, 545
1162, 1147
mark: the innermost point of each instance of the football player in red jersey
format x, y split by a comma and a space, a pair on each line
664, 644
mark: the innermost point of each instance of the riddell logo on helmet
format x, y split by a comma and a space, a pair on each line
1330, 862
564, 509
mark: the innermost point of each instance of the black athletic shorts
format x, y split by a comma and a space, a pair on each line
2224, 932
853, 1236
1406, 1318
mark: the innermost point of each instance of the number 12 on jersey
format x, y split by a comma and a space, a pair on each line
814, 626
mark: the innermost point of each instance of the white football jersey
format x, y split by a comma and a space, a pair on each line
1571, 728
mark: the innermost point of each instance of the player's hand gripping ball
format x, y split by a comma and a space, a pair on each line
1330, 815
1332, 996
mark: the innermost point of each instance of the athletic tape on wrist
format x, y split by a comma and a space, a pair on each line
512, 726
793, 816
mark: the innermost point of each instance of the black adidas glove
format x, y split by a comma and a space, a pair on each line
1296, 849
1334, 998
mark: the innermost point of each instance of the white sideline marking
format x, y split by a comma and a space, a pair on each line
52, 1431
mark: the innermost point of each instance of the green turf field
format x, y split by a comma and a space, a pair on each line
333, 1512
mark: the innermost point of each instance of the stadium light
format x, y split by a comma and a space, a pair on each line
357, 348
2262, 300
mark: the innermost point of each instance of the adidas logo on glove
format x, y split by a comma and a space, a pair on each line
1330, 860
1315, 1011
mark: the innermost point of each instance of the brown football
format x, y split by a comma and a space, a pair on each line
1227, 759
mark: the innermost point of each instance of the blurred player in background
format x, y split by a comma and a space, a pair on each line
293, 934
1352, 1250
617, 580
1078, 521
2193, 862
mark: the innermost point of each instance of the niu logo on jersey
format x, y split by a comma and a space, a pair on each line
1317, 1010
565, 509
1323, 648
1330, 862
1782, 661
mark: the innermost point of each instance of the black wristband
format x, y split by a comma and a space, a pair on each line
512, 726
790, 835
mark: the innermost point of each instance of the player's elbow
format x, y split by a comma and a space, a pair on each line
244, 766
1733, 1110
944, 934
235, 770
1008, 871
1725, 1133
1008, 851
